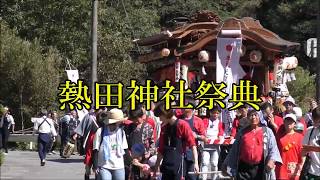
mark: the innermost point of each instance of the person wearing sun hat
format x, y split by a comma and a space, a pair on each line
290, 145
289, 103
109, 146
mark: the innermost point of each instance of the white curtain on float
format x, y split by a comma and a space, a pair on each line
229, 71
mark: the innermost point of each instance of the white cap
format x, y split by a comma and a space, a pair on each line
297, 111
292, 116
291, 100
152, 161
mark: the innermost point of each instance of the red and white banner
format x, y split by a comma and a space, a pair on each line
228, 55
217, 141
229, 71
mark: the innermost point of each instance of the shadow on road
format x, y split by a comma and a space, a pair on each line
66, 160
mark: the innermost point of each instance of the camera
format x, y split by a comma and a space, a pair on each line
276, 89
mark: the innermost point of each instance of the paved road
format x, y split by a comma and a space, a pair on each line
25, 165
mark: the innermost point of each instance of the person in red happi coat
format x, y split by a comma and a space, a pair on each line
290, 148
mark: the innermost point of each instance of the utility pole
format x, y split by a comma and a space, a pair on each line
94, 40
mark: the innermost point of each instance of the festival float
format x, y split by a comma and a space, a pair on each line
211, 49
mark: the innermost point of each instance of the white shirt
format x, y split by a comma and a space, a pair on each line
315, 156
46, 127
213, 129
9, 119
212, 133
114, 162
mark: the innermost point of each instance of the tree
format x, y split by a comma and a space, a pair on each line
29, 79
63, 25
303, 88
171, 9
118, 25
291, 20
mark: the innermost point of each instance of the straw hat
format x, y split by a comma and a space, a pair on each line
115, 115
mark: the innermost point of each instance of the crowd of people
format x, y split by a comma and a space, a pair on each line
276, 142
272, 143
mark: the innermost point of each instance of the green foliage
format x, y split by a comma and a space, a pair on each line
62, 29
247, 8
28, 73
292, 20
116, 32
1, 158
185, 8
303, 88
61, 24
1, 109
295, 20
21, 146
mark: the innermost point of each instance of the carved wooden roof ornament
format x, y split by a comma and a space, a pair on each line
205, 16
205, 29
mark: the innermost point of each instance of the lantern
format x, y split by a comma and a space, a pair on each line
184, 74
255, 56
165, 52
289, 63
203, 56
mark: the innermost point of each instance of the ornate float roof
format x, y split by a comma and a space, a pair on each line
204, 28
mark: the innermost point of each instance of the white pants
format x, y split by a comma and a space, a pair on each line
210, 159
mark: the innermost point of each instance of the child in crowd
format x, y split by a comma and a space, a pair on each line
214, 131
290, 146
